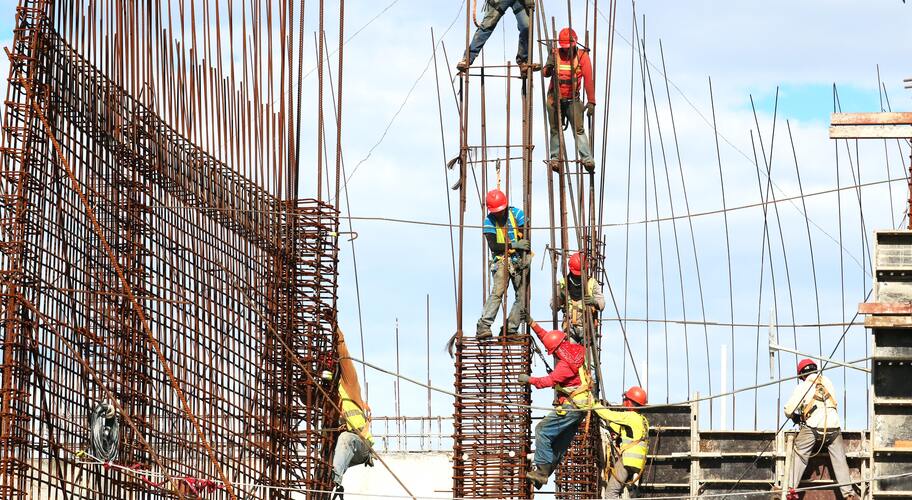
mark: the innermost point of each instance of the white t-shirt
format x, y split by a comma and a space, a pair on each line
824, 415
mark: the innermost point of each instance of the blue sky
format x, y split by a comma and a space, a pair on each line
747, 49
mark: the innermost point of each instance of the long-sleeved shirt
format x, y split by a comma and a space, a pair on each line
576, 296
570, 357
824, 414
580, 65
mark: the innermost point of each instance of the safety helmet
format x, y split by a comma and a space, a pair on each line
552, 340
567, 38
575, 264
496, 200
806, 365
635, 394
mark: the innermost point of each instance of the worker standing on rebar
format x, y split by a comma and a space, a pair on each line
571, 299
354, 444
494, 10
572, 68
570, 376
629, 432
504, 231
814, 408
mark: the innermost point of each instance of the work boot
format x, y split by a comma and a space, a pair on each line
462, 65
338, 492
538, 475
483, 334
524, 67
589, 165
555, 165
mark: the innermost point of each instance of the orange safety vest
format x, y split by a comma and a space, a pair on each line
568, 73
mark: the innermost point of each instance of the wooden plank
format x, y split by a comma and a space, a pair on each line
870, 131
871, 118
885, 308
888, 321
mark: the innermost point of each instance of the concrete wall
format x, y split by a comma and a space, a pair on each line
426, 474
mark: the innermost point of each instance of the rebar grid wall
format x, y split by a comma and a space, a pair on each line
492, 441
237, 289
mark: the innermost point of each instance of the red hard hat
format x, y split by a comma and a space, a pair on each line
804, 363
567, 38
636, 394
575, 264
496, 200
552, 340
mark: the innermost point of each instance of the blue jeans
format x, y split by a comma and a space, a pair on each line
554, 434
495, 10
572, 109
350, 450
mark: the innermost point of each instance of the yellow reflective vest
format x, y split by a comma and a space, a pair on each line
355, 420
633, 429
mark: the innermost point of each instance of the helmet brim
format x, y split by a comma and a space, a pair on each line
499, 208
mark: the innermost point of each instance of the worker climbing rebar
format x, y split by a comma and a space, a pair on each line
813, 407
572, 68
554, 434
494, 10
353, 446
573, 301
628, 432
510, 257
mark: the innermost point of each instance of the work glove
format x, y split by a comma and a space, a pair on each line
589, 300
538, 382
523, 245
796, 418
524, 379
590, 109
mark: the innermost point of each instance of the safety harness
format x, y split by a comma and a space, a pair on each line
822, 397
576, 307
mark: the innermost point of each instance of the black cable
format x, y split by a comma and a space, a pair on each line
104, 427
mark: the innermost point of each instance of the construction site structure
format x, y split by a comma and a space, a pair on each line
143, 271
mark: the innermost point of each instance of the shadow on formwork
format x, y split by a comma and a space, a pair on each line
139, 270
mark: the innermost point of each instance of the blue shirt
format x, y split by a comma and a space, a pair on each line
490, 227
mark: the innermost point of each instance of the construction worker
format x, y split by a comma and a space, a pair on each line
495, 9
354, 444
813, 407
555, 432
571, 378
573, 301
572, 68
510, 258
629, 432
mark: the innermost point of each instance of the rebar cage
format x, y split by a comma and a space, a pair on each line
140, 270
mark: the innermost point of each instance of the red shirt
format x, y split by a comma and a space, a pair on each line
570, 357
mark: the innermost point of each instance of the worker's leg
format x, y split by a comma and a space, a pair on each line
554, 127
548, 433
519, 277
493, 13
522, 24
350, 448
575, 114
493, 304
562, 442
802, 449
836, 449
618, 478
553, 436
